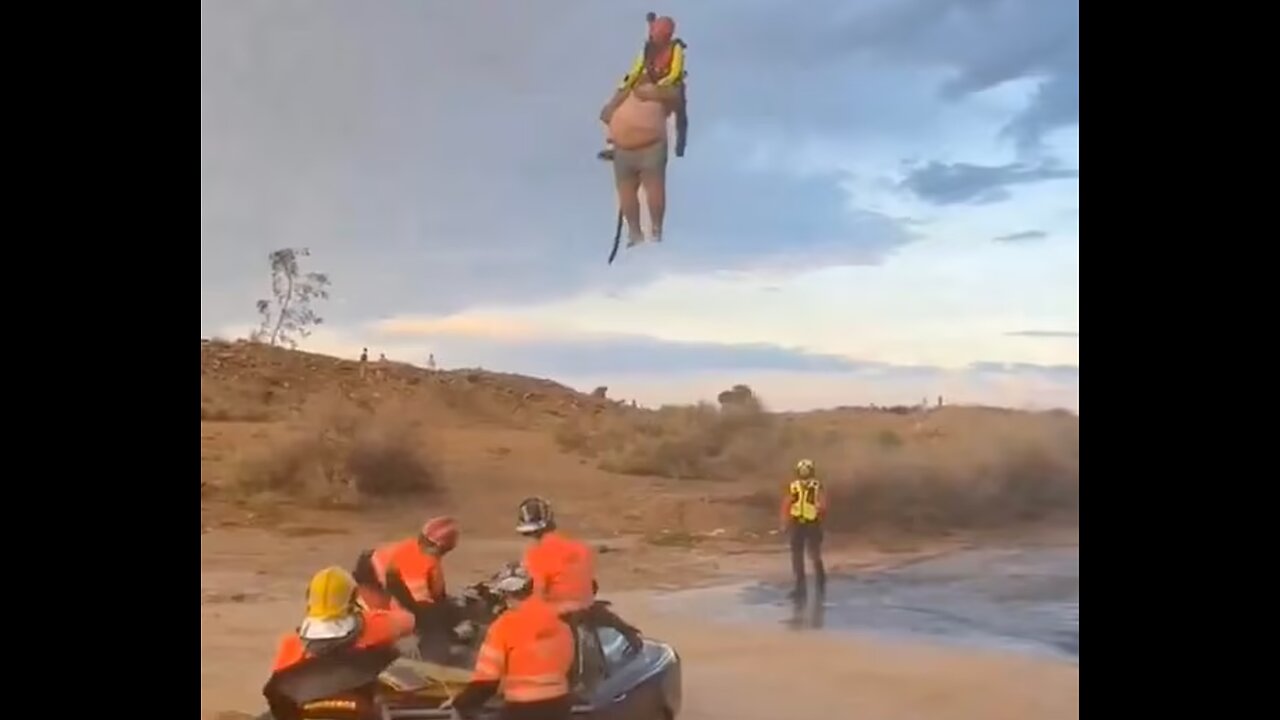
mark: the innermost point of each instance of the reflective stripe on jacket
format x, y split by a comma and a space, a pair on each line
804, 500
423, 573
529, 650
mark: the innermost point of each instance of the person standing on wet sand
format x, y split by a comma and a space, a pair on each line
804, 507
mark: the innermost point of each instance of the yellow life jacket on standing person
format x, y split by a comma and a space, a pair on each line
804, 499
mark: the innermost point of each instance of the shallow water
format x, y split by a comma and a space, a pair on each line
1022, 600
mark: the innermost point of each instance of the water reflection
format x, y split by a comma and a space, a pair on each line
808, 615
1025, 600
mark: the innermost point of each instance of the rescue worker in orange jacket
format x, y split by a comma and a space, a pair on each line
409, 574
563, 571
528, 652
804, 507
662, 63
562, 568
332, 660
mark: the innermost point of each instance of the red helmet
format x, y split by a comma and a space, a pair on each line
441, 532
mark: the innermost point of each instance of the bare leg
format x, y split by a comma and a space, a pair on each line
629, 202
655, 193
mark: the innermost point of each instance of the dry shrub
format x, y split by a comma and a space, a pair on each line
214, 413
687, 442
345, 456
954, 468
1022, 484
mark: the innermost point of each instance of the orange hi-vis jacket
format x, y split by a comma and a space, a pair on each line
423, 573
562, 570
377, 628
529, 651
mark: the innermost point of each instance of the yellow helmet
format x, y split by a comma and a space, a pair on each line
804, 469
331, 594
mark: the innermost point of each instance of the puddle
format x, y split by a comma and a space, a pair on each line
1020, 600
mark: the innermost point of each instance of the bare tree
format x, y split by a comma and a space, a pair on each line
289, 317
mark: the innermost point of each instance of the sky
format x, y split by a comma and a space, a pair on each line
879, 202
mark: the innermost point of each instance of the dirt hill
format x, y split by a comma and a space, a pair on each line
285, 432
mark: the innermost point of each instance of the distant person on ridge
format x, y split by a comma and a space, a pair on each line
804, 507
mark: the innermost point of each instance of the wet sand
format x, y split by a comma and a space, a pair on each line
251, 591
754, 673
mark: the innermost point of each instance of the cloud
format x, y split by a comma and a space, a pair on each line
947, 184
788, 391
985, 43
1023, 236
658, 372
430, 160
1044, 333
332, 126
545, 350
471, 325
1060, 372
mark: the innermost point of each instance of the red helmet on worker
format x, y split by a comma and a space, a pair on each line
440, 532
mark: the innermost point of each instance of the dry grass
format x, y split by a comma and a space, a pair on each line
213, 412
955, 468
303, 427
340, 455
697, 442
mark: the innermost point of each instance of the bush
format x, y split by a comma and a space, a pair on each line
344, 457
697, 442
1023, 483
961, 468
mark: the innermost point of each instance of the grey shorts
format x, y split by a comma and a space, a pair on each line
628, 164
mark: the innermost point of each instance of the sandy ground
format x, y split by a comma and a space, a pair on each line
252, 585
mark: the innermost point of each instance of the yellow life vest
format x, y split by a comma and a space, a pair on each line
804, 499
